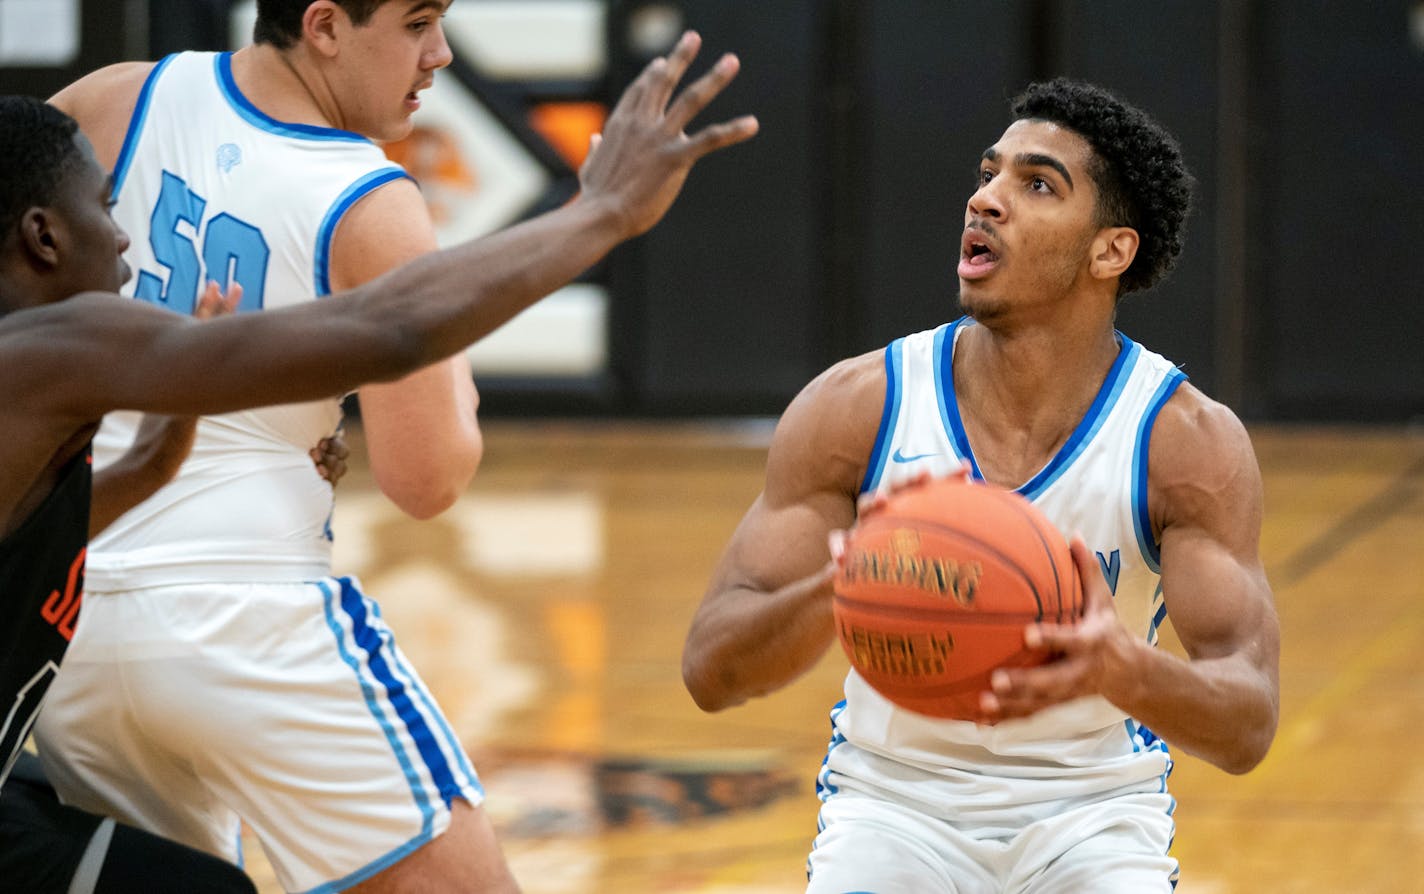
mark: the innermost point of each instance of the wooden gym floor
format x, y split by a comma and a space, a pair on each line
547, 612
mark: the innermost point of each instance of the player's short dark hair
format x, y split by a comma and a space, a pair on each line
1137, 166
279, 22
38, 148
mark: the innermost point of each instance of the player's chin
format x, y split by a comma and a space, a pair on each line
393, 130
979, 302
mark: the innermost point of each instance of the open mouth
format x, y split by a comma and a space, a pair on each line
977, 256
977, 251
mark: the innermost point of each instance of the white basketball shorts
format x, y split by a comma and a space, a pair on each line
182, 709
1116, 845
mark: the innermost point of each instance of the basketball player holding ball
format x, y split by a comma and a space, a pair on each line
1059, 782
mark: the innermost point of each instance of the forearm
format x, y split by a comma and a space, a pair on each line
423, 436
447, 300
117, 489
155, 457
1223, 710
746, 643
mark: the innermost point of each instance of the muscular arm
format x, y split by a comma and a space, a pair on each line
421, 431
1205, 491
766, 617
1222, 702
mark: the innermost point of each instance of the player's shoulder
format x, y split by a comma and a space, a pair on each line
1194, 418
103, 102
1197, 441
386, 228
829, 428
117, 83
846, 385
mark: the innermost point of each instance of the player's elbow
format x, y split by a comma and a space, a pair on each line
708, 693
425, 506
424, 498
1249, 745
427, 487
1252, 749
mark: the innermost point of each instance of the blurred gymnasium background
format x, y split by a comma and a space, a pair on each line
547, 609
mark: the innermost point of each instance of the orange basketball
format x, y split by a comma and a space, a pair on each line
936, 588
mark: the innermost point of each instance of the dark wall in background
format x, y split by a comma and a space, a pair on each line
723, 306
1336, 262
1300, 295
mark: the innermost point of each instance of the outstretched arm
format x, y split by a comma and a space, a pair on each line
70, 362
766, 617
129, 356
1222, 703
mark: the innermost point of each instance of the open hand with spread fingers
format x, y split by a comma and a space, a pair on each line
641, 159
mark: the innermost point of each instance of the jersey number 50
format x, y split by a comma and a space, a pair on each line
232, 251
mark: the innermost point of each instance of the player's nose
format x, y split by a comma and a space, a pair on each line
439, 54
987, 202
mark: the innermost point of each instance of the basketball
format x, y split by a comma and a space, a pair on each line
936, 587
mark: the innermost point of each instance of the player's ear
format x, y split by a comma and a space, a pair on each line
1112, 252
319, 26
40, 236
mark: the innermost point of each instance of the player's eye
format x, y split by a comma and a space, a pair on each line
1038, 184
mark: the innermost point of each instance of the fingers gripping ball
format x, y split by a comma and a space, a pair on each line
935, 590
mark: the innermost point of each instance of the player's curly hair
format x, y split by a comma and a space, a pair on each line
1137, 166
279, 22
37, 144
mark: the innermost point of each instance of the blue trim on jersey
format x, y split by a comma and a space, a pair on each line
1091, 423
824, 788
944, 343
353, 194
222, 68
373, 704
1142, 521
1158, 616
136, 122
1088, 426
894, 373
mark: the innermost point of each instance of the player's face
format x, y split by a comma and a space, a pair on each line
94, 243
1030, 223
387, 62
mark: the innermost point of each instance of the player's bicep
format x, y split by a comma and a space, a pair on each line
776, 545
816, 460
1207, 487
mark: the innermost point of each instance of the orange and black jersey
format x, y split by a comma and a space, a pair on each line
41, 586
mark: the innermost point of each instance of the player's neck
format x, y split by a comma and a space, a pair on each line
286, 85
1032, 381
20, 292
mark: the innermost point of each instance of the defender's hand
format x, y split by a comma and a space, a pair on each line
640, 161
330, 455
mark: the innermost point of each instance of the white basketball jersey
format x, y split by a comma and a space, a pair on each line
211, 188
1096, 486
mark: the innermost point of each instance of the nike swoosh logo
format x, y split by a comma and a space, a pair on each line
902, 458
